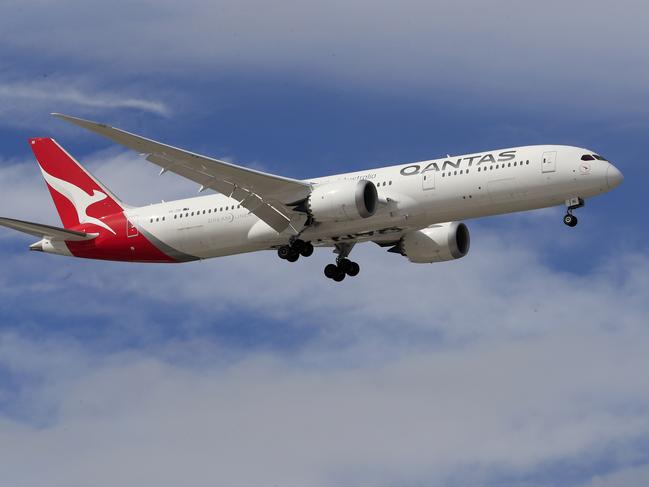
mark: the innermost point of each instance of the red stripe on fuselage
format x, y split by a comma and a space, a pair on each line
119, 247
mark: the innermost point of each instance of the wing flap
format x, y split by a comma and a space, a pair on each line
45, 231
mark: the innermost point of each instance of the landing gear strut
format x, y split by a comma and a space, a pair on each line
343, 266
572, 204
294, 250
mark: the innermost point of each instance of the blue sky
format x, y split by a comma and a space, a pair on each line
521, 364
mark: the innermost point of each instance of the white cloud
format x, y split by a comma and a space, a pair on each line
591, 55
492, 365
511, 407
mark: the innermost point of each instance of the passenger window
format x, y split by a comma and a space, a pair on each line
390, 183
461, 171
454, 173
151, 220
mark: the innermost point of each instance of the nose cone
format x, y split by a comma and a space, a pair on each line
613, 176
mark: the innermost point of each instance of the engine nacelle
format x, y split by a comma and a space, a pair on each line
343, 201
437, 243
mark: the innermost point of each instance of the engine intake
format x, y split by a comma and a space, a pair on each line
343, 201
437, 243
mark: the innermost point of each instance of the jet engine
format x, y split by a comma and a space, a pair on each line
343, 201
437, 243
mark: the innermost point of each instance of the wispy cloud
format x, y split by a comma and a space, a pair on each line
28, 103
54, 93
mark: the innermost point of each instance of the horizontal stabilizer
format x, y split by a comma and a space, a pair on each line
45, 231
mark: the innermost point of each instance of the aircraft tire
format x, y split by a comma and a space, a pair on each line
330, 270
570, 220
284, 251
352, 269
307, 249
339, 276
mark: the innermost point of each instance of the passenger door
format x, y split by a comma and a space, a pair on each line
549, 162
428, 180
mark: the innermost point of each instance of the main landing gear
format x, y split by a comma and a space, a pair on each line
343, 266
338, 271
294, 250
572, 204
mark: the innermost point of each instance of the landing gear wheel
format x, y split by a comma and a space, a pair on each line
307, 249
570, 220
343, 264
339, 276
330, 270
298, 245
284, 251
353, 269
293, 255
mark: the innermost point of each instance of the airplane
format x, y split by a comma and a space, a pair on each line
414, 209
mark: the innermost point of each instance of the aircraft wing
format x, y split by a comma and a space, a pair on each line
45, 231
265, 195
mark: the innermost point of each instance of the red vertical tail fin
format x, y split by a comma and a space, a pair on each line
80, 199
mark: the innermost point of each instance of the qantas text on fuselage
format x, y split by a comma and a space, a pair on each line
413, 210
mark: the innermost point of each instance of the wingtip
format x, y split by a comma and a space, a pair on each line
82, 122
63, 116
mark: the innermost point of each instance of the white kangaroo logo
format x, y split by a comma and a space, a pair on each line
79, 199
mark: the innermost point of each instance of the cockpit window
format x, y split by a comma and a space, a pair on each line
599, 158
587, 157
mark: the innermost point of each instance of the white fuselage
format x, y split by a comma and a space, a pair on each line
412, 196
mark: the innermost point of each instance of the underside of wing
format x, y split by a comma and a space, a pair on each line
45, 231
265, 195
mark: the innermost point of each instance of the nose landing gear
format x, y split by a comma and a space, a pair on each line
572, 204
